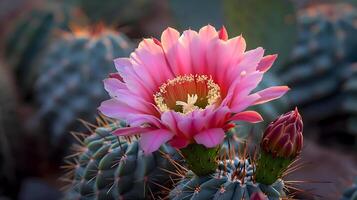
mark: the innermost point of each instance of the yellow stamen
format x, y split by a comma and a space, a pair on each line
190, 105
187, 93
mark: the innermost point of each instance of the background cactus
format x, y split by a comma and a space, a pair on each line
350, 193
29, 38
69, 86
109, 167
234, 179
317, 69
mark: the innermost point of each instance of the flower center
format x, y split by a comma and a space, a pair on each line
187, 93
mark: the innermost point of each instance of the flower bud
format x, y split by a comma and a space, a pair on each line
281, 144
283, 137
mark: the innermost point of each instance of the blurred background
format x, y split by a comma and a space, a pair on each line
55, 54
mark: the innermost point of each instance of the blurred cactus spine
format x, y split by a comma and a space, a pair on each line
281, 144
108, 167
69, 86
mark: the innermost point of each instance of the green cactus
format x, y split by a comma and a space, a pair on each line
69, 86
317, 70
29, 38
234, 179
351, 192
110, 167
9, 133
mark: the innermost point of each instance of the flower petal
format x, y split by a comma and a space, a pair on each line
111, 85
210, 138
152, 140
248, 116
115, 109
128, 131
266, 62
271, 93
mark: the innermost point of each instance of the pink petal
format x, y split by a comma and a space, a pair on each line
178, 142
128, 131
266, 62
116, 109
271, 93
208, 32
222, 34
244, 103
210, 138
248, 116
250, 60
152, 140
140, 119
121, 62
149, 59
111, 85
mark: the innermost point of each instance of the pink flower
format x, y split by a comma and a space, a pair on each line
187, 88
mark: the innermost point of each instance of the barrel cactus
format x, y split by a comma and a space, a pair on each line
234, 179
109, 167
350, 193
29, 38
316, 71
242, 176
69, 86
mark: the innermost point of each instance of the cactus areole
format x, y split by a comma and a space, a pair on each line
281, 144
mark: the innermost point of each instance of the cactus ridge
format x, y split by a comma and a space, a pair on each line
110, 167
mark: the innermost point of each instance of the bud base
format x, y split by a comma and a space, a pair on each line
269, 168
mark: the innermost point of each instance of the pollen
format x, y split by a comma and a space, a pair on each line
187, 93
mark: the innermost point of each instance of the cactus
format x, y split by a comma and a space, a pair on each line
29, 38
350, 193
114, 168
9, 133
318, 65
234, 179
70, 84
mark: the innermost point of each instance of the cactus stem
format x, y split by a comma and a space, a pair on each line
270, 168
201, 160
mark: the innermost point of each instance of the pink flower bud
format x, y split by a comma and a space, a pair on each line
283, 137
